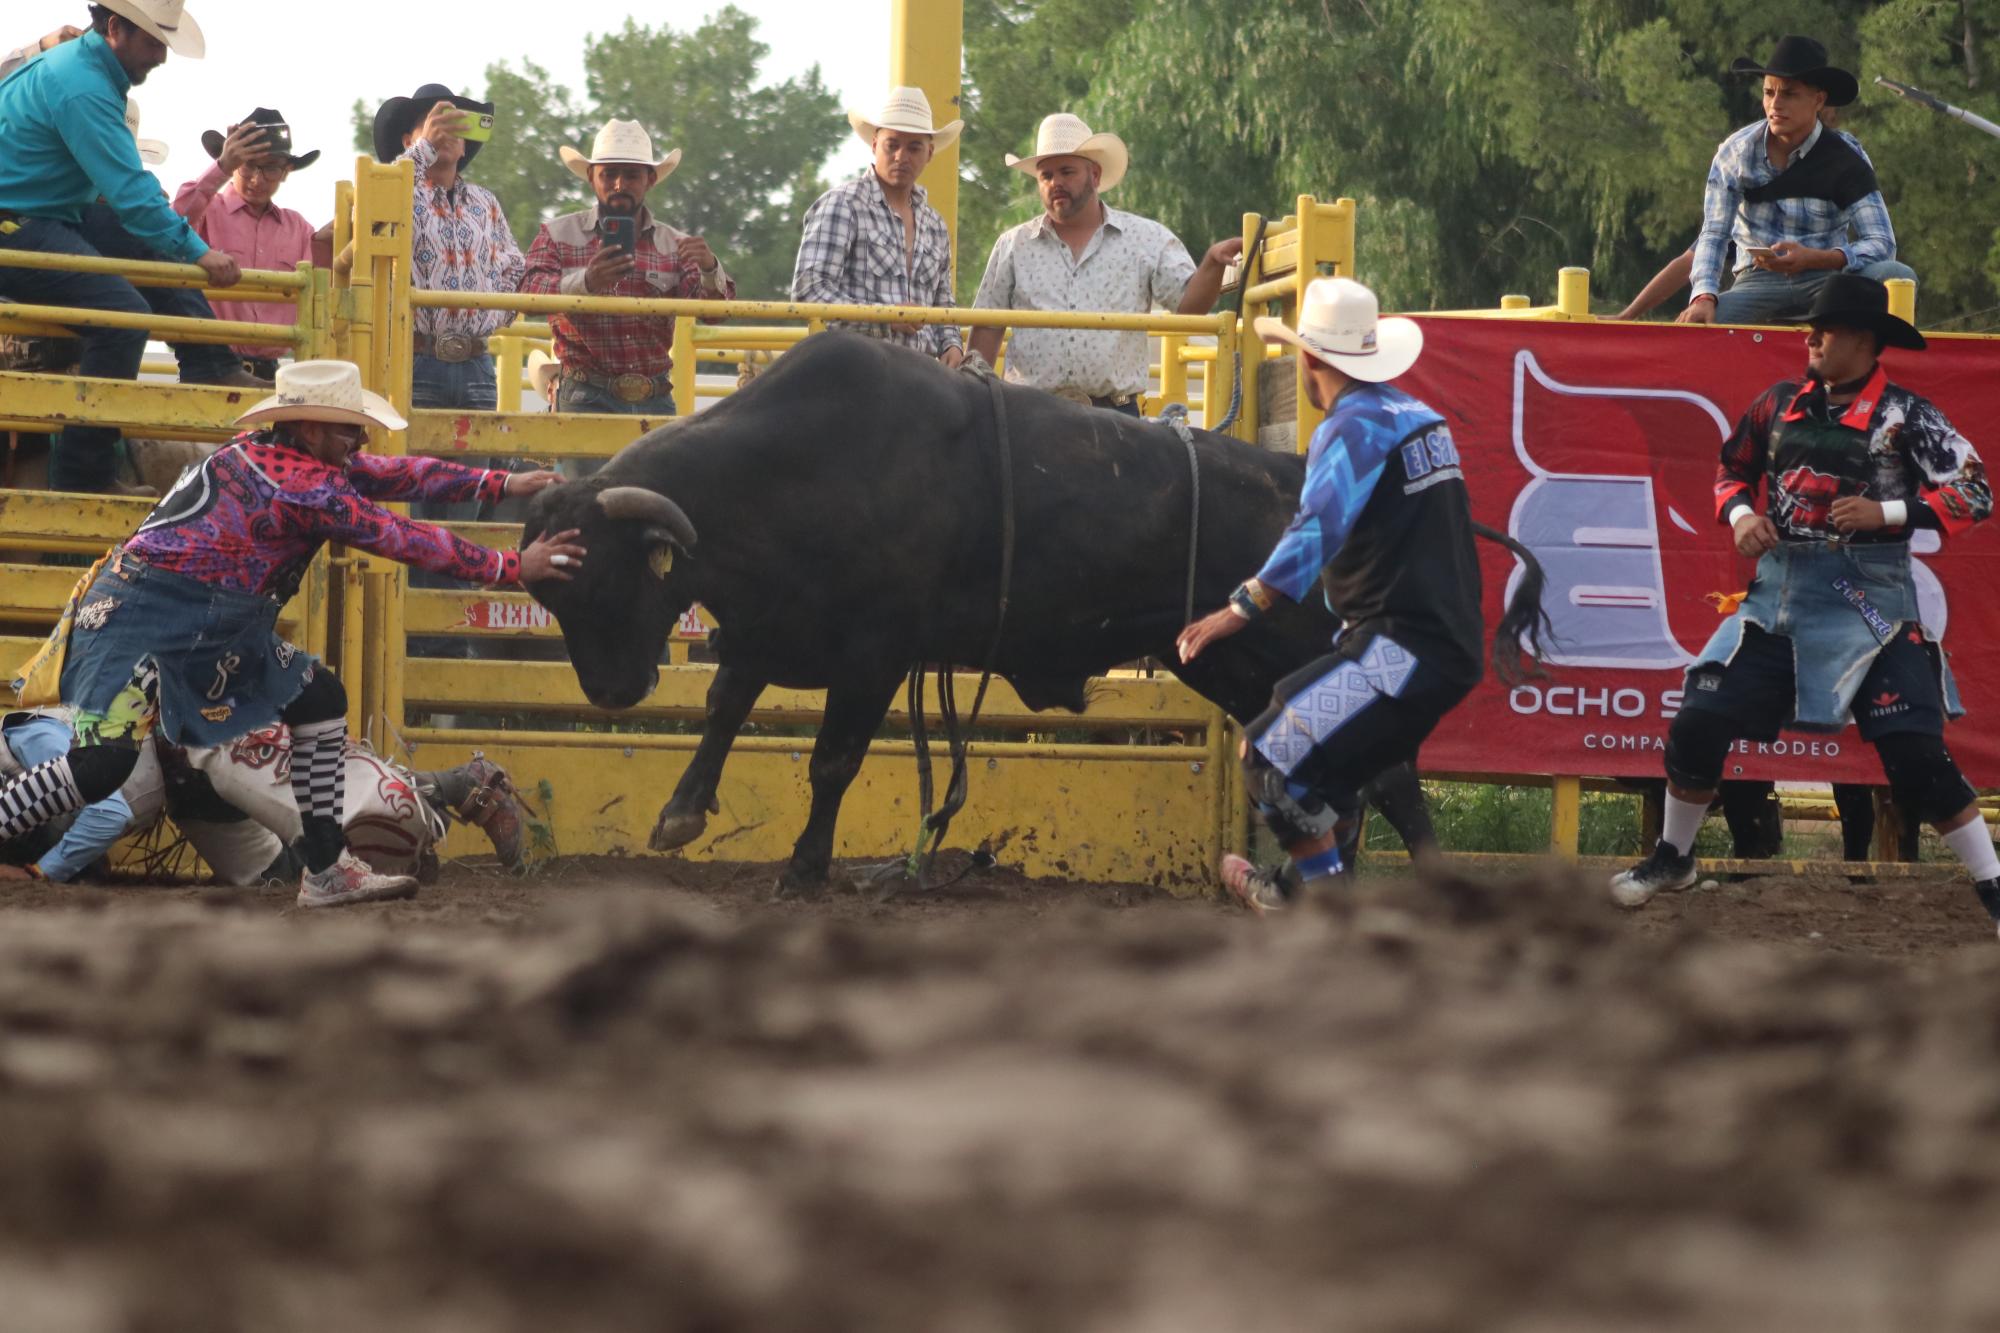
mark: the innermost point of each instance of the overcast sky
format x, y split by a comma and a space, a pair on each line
315, 61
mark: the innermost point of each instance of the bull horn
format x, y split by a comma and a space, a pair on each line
648, 507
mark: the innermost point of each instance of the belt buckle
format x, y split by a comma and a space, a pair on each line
632, 388
455, 346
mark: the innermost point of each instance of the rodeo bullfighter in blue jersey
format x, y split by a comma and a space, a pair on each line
1385, 526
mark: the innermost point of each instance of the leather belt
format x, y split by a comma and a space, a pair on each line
628, 388
450, 346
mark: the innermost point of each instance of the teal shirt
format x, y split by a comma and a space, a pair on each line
62, 119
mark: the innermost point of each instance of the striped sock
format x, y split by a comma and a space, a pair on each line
319, 768
46, 791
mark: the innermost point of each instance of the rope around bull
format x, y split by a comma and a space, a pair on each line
932, 824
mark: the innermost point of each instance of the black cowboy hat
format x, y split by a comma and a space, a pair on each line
277, 139
1804, 59
400, 115
1850, 301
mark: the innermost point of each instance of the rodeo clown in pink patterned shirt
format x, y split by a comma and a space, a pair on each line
174, 631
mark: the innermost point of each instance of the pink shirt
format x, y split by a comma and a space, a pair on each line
281, 239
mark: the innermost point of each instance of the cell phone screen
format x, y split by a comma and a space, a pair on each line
622, 233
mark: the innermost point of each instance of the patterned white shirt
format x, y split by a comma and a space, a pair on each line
1131, 265
460, 243
852, 253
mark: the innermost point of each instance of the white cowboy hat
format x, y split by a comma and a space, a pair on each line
166, 20
542, 369
324, 391
1340, 323
151, 151
908, 110
621, 141
1063, 135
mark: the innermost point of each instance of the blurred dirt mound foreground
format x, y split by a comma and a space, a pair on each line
1444, 1105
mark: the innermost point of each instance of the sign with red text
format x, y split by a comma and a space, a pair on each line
1596, 448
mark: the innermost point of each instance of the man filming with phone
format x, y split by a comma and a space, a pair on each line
620, 363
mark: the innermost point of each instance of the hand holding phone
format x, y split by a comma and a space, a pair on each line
621, 231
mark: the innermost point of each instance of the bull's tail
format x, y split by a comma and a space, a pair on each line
1525, 615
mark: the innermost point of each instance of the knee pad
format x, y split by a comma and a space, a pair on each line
1697, 743
100, 770
322, 700
1924, 776
1293, 813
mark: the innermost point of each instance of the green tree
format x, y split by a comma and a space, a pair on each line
1023, 60
1490, 142
751, 153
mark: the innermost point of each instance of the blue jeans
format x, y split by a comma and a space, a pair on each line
83, 458
469, 386
201, 363
1759, 296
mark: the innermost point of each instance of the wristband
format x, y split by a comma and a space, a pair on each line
1250, 600
1742, 512
1895, 513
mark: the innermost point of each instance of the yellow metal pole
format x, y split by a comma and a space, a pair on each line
1303, 426
507, 356
1514, 301
1173, 370
1215, 376
926, 50
683, 371
1902, 299
1248, 274
1573, 292
1566, 816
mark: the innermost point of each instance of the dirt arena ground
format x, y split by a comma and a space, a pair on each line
639, 1096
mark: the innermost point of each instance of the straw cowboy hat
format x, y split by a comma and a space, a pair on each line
401, 115
1063, 135
542, 371
166, 20
151, 151
324, 391
621, 141
1341, 325
277, 139
908, 110
1804, 59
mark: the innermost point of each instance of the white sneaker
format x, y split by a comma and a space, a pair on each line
349, 880
1665, 871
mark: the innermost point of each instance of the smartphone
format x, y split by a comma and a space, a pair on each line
1760, 252
621, 233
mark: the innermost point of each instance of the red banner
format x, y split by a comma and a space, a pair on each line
1596, 447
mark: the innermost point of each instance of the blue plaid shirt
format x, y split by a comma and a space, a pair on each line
1740, 164
852, 253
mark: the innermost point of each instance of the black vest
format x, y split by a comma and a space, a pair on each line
1833, 170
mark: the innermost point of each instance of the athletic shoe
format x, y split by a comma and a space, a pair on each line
349, 880
1258, 890
494, 808
1989, 897
1665, 871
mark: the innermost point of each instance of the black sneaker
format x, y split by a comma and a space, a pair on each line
1989, 897
1665, 871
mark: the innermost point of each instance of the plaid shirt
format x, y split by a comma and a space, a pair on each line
1742, 163
460, 243
617, 344
852, 254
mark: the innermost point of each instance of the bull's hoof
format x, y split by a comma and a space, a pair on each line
796, 886
676, 829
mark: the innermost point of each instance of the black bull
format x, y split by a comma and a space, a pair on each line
848, 506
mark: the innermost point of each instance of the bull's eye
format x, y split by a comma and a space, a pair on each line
660, 561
